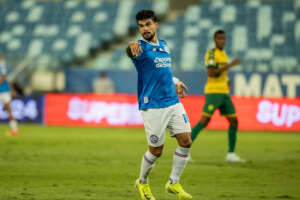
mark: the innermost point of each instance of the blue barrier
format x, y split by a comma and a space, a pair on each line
27, 109
243, 83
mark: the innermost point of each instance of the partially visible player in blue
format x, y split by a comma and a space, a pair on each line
5, 98
159, 105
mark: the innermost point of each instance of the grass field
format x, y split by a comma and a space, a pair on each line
60, 163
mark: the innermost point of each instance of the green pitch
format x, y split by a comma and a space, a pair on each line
60, 163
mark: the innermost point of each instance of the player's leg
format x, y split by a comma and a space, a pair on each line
155, 126
227, 109
12, 121
180, 159
179, 127
212, 102
232, 138
180, 156
232, 133
199, 126
148, 162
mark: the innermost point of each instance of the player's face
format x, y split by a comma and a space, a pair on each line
147, 28
220, 40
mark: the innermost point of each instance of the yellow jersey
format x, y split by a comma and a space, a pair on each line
216, 58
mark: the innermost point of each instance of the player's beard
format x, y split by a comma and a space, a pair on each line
150, 38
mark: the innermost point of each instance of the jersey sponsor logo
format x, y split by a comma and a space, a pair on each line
162, 62
154, 139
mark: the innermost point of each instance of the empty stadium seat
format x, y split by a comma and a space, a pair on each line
264, 35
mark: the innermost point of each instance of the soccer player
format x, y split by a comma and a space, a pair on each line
159, 105
5, 98
217, 93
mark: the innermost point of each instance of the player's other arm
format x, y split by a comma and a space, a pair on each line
133, 49
215, 72
181, 88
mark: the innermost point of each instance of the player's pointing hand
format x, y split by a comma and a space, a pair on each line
135, 49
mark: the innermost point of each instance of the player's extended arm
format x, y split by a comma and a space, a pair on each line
181, 88
213, 72
133, 49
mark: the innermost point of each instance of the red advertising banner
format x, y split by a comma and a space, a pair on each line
121, 110
92, 110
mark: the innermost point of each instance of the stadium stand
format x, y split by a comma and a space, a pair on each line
53, 34
266, 38
62, 30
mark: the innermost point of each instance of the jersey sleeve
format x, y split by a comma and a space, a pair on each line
210, 59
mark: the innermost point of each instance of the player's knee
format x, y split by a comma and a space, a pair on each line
234, 122
156, 151
187, 143
205, 121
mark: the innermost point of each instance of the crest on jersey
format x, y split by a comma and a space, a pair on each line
146, 100
154, 139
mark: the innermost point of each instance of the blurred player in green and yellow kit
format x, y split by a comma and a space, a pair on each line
217, 93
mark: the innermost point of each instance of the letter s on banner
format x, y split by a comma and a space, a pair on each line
264, 114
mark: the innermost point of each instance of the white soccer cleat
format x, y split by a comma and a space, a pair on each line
233, 158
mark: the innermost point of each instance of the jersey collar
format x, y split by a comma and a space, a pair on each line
152, 43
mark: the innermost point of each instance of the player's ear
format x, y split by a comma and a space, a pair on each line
156, 24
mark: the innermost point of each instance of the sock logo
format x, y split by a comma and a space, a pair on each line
154, 139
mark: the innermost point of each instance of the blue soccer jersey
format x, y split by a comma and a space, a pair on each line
155, 80
4, 86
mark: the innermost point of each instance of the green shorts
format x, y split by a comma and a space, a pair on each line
218, 101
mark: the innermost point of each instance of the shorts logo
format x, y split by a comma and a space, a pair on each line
154, 139
210, 107
146, 100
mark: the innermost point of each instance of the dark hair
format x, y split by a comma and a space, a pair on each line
145, 14
219, 32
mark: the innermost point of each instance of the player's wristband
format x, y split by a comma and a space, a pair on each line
175, 80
